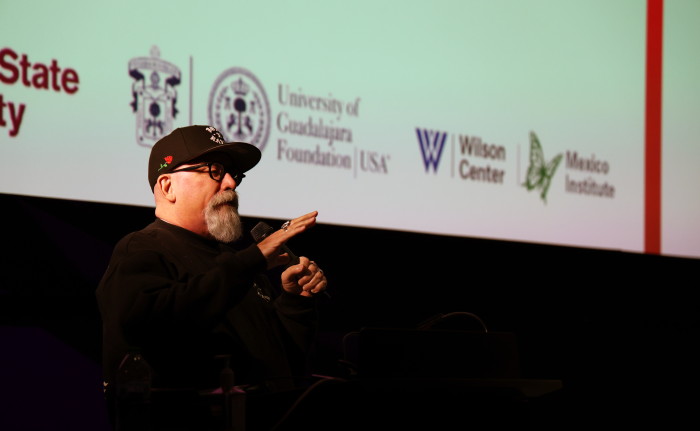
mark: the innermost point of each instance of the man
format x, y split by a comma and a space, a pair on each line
180, 293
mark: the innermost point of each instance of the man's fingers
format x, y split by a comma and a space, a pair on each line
298, 227
304, 261
299, 224
302, 270
270, 245
306, 278
305, 217
312, 281
321, 286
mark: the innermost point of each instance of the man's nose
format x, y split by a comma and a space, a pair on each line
228, 183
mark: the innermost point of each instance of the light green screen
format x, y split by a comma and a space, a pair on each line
472, 72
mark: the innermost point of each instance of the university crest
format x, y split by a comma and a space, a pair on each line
238, 107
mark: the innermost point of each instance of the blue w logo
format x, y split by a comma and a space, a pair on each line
431, 145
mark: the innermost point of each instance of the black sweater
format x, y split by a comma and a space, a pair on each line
184, 299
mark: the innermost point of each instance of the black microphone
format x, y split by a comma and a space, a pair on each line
262, 230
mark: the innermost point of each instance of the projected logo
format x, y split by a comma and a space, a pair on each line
154, 96
238, 107
540, 172
431, 144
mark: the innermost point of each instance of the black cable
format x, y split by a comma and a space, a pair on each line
283, 377
302, 396
348, 364
466, 314
429, 322
259, 383
438, 317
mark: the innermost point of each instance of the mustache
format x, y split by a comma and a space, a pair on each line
224, 197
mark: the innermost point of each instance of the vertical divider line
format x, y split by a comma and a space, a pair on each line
355, 165
517, 172
652, 127
453, 156
190, 90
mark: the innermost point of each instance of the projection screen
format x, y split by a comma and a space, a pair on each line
509, 120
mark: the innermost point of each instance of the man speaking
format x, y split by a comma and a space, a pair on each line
177, 290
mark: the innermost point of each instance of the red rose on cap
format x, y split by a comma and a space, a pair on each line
168, 160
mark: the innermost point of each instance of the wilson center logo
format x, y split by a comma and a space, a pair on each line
431, 144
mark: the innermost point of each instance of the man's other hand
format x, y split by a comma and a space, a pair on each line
271, 246
305, 279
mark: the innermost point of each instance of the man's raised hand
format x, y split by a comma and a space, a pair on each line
271, 246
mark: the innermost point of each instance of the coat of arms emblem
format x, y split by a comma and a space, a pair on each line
154, 95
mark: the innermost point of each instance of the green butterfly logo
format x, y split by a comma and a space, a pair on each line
539, 174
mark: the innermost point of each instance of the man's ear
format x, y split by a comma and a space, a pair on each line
164, 186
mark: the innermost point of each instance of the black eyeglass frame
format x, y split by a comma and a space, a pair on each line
237, 177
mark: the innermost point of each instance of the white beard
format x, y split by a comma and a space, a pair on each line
222, 219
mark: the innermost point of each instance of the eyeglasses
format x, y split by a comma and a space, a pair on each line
217, 171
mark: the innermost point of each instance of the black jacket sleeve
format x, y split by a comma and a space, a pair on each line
145, 290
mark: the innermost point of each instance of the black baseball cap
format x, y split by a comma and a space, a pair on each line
187, 143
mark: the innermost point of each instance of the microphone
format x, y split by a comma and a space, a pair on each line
262, 230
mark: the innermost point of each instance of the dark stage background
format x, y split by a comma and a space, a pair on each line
619, 329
